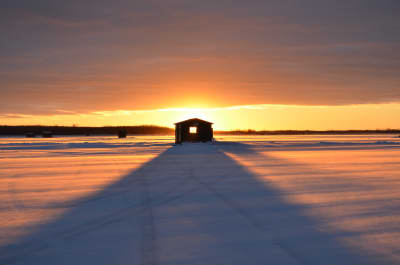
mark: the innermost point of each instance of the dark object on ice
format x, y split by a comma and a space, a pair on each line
47, 134
30, 134
122, 134
193, 130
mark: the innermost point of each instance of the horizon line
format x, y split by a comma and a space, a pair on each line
234, 130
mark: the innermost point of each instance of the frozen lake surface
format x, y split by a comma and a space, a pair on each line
241, 200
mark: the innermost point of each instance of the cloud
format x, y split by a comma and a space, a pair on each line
92, 56
14, 116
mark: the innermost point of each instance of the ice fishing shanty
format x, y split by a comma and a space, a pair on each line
193, 130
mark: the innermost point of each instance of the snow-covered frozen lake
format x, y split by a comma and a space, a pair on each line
240, 200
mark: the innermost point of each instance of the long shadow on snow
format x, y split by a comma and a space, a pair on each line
192, 204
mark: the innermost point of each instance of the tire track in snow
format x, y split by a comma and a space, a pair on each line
238, 209
148, 240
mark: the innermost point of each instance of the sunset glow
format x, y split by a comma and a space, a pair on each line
259, 117
260, 65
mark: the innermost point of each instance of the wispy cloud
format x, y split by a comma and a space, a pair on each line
15, 116
238, 107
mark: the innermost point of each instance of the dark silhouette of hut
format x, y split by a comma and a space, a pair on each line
122, 133
193, 130
47, 134
30, 134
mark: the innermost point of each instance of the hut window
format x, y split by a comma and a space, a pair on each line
193, 129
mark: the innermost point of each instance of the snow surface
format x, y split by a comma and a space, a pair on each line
239, 200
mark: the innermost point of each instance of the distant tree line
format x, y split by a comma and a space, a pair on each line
75, 130
307, 132
158, 130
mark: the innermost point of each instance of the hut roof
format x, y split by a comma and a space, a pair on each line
194, 120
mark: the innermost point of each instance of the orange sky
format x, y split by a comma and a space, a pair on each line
315, 65
259, 117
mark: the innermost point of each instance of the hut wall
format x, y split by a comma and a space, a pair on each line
182, 132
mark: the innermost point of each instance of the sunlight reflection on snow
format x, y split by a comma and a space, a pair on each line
349, 184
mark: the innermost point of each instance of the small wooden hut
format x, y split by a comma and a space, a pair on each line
47, 134
122, 133
193, 130
30, 134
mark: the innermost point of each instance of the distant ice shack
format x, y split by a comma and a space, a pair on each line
193, 130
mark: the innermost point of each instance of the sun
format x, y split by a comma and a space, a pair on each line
189, 113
